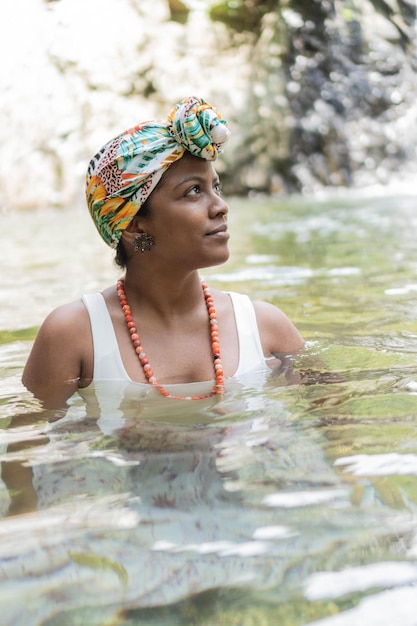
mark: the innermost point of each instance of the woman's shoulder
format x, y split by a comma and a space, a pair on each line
69, 319
278, 333
61, 355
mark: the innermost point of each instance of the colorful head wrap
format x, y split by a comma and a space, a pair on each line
122, 175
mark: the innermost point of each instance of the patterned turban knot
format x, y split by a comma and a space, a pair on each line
127, 169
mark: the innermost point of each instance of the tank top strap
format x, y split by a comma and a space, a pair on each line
250, 348
108, 364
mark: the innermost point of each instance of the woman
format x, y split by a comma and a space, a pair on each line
154, 194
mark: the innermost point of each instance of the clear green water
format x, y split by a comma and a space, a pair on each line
295, 505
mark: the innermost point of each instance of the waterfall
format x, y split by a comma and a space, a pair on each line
317, 94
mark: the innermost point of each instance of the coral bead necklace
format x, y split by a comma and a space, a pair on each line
218, 388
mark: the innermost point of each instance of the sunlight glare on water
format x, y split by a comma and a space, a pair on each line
284, 504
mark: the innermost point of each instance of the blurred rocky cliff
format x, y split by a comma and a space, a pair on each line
317, 93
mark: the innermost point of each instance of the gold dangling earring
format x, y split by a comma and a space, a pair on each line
143, 242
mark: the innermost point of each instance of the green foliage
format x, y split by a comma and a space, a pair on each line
179, 11
243, 15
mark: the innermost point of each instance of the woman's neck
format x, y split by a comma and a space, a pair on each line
166, 295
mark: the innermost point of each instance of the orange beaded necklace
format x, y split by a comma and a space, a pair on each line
218, 388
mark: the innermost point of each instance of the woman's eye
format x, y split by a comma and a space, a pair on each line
195, 189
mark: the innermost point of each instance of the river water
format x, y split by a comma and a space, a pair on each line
287, 504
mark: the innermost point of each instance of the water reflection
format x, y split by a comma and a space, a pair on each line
283, 504
156, 512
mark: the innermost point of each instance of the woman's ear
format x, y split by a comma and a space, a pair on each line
134, 225
135, 237
130, 232
132, 229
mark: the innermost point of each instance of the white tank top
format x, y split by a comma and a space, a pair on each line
108, 364
115, 395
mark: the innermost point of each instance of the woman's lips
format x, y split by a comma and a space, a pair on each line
221, 231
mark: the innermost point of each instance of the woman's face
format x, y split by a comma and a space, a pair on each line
188, 216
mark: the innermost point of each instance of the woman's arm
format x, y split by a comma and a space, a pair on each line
280, 340
62, 356
278, 334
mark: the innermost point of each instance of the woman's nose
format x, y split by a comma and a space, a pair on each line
218, 205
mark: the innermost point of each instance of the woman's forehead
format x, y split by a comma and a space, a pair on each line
186, 167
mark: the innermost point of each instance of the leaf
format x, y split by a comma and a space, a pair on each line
97, 562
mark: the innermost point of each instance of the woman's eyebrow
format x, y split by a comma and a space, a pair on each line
197, 179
